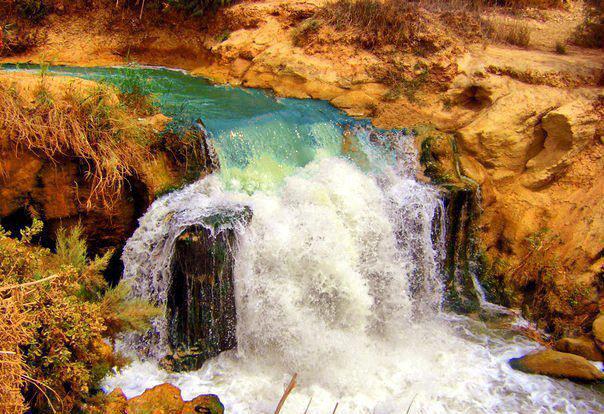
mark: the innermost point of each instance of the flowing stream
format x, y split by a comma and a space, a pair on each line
337, 274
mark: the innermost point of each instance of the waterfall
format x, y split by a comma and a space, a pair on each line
338, 278
337, 275
357, 245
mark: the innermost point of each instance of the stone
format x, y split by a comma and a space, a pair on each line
201, 301
161, 399
583, 346
558, 365
598, 331
205, 404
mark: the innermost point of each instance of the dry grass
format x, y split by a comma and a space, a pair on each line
88, 125
374, 22
513, 32
12, 370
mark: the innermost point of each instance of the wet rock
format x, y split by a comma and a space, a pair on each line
201, 300
583, 346
162, 399
557, 364
598, 331
204, 404
460, 210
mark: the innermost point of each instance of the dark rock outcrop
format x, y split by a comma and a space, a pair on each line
201, 301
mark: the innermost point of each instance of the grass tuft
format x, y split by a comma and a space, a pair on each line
88, 124
561, 48
516, 32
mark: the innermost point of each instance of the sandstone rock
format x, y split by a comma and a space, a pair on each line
598, 331
567, 130
557, 364
357, 103
162, 399
583, 346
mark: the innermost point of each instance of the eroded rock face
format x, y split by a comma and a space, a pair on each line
56, 190
559, 365
536, 152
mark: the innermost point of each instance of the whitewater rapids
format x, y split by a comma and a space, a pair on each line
337, 280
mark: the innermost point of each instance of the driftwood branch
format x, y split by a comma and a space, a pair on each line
22, 285
308, 406
288, 390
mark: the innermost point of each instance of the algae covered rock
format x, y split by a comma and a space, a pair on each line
558, 365
201, 300
205, 404
583, 346
163, 399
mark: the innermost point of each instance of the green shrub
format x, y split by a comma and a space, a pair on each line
135, 90
33, 10
68, 310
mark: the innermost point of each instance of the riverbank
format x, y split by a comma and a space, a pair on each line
526, 118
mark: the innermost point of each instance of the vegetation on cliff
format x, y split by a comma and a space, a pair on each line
57, 310
85, 124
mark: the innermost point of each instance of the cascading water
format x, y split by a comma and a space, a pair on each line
337, 273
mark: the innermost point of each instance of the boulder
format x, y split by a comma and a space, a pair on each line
598, 331
204, 404
558, 365
583, 346
201, 300
161, 399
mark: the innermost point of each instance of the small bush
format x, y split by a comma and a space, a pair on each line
561, 48
590, 33
135, 90
302, 34
71, 247
58, 315
515, 33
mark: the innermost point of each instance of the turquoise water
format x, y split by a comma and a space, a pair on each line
259, 137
